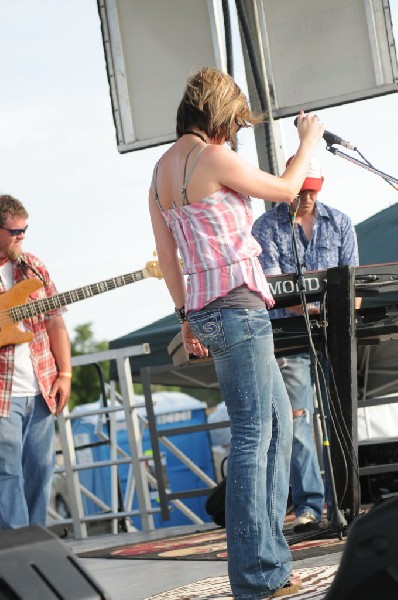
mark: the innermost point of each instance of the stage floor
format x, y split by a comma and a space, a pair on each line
138, 579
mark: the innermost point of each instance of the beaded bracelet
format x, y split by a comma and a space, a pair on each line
181, 316
64, 374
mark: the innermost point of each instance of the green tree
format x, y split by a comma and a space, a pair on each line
86, 382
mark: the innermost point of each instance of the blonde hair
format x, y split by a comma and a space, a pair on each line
214, 103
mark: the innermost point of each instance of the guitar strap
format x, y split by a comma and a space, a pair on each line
23, 262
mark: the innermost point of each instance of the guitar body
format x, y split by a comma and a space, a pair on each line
19, 294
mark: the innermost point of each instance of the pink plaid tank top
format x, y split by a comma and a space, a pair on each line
217, 248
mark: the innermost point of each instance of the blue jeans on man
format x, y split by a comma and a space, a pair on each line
307, 487
26, 462
241, 343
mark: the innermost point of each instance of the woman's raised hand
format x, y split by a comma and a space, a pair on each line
310, 127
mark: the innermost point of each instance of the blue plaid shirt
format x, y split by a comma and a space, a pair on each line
333, 243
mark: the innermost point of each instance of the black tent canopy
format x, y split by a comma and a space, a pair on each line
158, 335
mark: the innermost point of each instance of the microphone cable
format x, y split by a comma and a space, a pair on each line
322, 398
340, 428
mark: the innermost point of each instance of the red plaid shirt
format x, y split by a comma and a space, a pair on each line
42, 359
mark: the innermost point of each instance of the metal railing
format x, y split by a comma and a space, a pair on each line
140, 481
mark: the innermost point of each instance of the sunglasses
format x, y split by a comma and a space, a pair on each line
15, 232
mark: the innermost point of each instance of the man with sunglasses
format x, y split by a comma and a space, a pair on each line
35, 382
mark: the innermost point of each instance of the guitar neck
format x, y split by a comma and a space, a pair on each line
38, 307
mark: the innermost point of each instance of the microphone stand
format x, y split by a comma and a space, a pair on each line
393, 181
338, 521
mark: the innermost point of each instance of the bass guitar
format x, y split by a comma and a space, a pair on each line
15, 307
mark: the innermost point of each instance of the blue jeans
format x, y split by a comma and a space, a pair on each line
26, 462
241, 343
305, 477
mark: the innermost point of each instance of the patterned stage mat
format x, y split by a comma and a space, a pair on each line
316, 582
211, 545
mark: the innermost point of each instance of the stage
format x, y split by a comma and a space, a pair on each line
142, 579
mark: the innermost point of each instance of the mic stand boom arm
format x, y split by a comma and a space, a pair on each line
393, 181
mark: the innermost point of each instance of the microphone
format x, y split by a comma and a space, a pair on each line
332, 138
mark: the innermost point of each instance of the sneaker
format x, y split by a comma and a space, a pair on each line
304, 521
288, 589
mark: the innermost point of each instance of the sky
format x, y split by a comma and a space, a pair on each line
87, 202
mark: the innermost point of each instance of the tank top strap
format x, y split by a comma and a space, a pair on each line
187, 176
155, 189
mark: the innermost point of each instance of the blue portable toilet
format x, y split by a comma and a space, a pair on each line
172, 409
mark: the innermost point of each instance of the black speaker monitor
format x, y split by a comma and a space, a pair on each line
35, 565
369, 565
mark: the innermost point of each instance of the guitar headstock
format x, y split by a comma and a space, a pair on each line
152, 269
